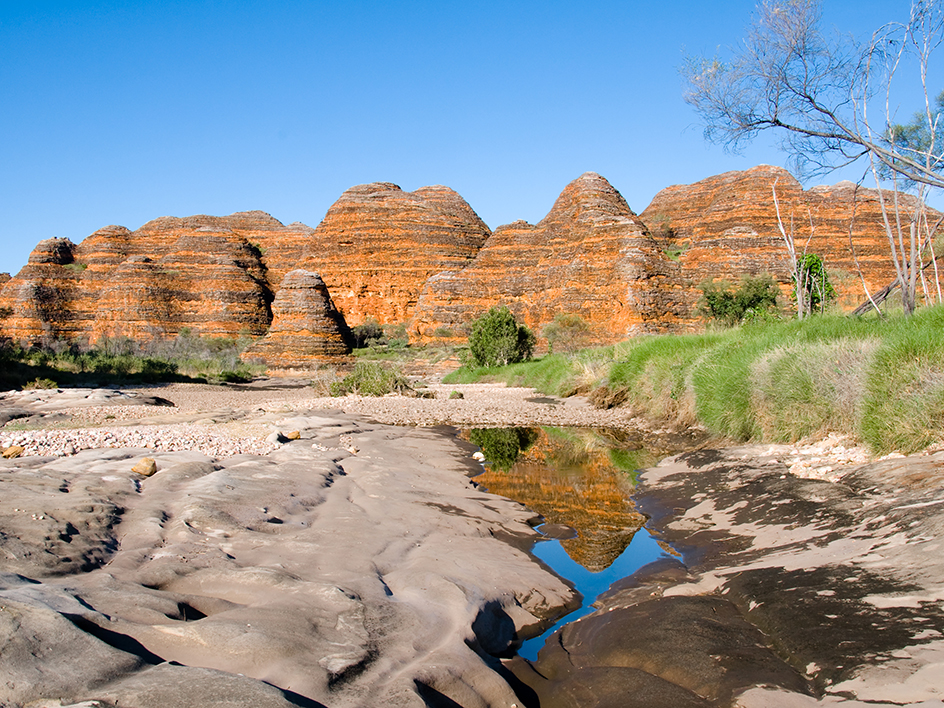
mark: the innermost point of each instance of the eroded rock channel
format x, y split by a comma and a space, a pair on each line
358, 565
790, 592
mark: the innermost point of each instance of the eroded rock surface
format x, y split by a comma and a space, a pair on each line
306, 328
202, 273
725, 227
355, 566
378, 245
590, 256
791, 592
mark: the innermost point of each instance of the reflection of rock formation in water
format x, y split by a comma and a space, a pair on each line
569, 481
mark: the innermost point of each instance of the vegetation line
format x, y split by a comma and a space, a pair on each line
880, 382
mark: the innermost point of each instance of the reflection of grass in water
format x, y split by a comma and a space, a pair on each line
631, 461
501, 446
578, 445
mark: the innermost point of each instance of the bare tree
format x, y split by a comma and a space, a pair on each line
797, 272
832, 100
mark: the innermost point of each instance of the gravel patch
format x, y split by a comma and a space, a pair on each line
225, 421
481, 405
211, 441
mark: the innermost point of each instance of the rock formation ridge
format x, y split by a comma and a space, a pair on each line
424, 259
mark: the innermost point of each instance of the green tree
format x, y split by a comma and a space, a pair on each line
813, 284
497, 339
720, 301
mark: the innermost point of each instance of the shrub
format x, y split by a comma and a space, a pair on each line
498, 340
371, 378
754, 297
158, 368
368, 333
40, 384
567, 333
397, 336
229, 376
819, 291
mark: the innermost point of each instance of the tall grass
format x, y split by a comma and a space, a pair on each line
880, 382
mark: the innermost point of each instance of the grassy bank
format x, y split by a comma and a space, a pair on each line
880, 382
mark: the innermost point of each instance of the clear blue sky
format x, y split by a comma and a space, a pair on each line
120, 112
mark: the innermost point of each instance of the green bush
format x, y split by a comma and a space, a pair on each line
40, 384
819, 291
753, 298
371, 378
368, 333
497, 339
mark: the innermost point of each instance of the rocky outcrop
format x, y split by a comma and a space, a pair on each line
725, 227
378, 246
589, 256
425, 260
306, 328
217, 276
202, 273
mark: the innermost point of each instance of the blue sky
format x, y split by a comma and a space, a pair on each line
120, 112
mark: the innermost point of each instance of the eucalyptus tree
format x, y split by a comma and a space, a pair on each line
833, 101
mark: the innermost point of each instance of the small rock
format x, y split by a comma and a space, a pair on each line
276, 438
146, 467
293, 435
13, 451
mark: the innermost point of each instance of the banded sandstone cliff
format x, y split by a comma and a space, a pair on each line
425, 259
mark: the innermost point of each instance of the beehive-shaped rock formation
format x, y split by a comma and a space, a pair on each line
378, 245
306, 327
203, 273
589, 256
725, 227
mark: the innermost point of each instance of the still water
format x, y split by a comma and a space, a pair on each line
580, 481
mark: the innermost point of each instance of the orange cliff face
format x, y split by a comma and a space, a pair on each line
204, 273
306, 328
378, 245
590, 256
725, 227
426, 260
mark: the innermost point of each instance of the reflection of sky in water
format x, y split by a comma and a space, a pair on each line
642, 550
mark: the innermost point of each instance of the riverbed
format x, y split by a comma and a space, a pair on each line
357, 564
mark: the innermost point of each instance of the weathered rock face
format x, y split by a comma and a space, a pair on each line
204, 273
725, 227
589, 256
424, 259
378, 245
306, 328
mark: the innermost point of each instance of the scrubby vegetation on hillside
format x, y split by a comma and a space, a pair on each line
186, 357
878, 381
